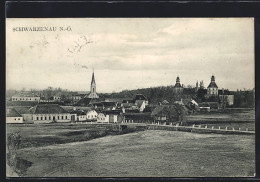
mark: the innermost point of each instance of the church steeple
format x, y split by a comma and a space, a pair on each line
93, 92
93, 79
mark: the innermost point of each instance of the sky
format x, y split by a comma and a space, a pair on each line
130, 53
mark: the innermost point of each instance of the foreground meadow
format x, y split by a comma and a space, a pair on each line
145, 154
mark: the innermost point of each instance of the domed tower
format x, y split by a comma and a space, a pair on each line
212, 88
93, 93
178, 89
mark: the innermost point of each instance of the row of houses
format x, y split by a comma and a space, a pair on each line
49, 113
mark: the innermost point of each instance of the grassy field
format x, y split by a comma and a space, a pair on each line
83, 150
146, 154
237, 118
36, 135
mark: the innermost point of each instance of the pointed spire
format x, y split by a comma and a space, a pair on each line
93, 78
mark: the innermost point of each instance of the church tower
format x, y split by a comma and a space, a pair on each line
93, 93
178, 89
212, 88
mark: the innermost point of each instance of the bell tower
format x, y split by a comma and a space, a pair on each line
93, 93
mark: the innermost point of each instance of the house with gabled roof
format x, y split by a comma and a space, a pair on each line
140, 97
12, 116
47, 113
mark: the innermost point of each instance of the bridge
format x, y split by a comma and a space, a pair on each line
193, 128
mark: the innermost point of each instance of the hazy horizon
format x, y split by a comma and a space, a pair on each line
130, 53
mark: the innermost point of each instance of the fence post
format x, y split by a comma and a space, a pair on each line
199, 126
219, 127
206, 126
212, 127
233, 129
193, 126
226, 128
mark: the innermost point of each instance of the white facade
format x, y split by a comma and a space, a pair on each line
32, 99
47, 118
142, 107
92, 115
112, 118
82, 118
102, 118
14, 119
212, 91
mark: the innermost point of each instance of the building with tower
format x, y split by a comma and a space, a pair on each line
212, 88
178, 89
93, 93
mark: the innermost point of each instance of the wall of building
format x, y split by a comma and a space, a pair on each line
14, 119
82, 118
92, 115
47, 118
229, 99
102, 118
212, 91
33, 99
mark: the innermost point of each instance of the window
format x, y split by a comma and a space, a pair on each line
58, 117
32, 118
66, 117
14, 118
45, 118
49, 118
37, 118
61, 117
18, 118
41, 118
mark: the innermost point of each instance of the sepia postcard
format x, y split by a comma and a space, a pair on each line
130, 97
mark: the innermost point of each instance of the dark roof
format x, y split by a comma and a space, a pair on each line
107, 103
26, 95
98, 104
159, 110
127, 105
204, 104
177, 85
22, 109
139, 103
112, 111
140, 97
78, 112
212, 85
84, 101
46, 109
12, 113
226, 92
129, 100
